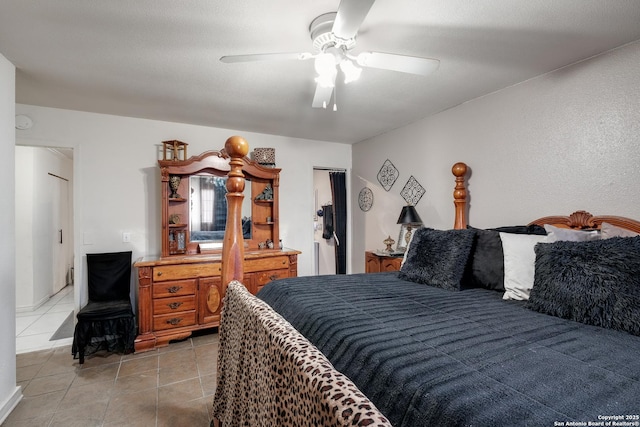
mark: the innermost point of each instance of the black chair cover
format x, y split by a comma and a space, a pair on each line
107, 322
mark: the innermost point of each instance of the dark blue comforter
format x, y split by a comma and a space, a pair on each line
431, 357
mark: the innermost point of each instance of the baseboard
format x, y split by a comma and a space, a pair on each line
34, 307
10, 403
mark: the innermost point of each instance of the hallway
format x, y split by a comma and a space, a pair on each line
35, 328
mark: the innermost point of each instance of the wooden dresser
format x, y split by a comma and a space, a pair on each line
181, 291
375, 263
179, 295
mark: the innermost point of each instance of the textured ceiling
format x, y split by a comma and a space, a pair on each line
159, 59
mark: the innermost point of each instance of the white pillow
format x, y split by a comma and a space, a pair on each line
519, 263
610, 230
556, 234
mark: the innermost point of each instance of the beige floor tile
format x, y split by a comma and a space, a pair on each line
178, 372
37, 406
135, 366
58, 364
101, 358
139, 406
48, 384
170, 387
138, 355
169, 359
184, 414
27, 373
96, 374
208, 383
87, 414
79, 395
137, 382
33, 358
205, 338
179, 392
41, 421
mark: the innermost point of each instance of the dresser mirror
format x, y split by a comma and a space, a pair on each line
194, 205
208, 208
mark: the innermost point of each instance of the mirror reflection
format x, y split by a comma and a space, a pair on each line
208, 209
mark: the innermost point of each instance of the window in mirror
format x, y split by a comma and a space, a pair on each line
208, 208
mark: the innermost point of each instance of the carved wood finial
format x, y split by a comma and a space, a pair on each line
233, 245
459, 170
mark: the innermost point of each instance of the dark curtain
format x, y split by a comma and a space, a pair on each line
207, 198
339, 194
213, 204
219, 204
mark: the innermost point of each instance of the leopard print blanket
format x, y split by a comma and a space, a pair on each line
270, 375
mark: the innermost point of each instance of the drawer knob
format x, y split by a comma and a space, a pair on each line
174, 321
159, 273
273, 277
174, 289
174, 305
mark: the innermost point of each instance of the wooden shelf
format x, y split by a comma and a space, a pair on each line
177, 225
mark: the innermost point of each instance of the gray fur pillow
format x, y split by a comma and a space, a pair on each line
438, 257
596, 282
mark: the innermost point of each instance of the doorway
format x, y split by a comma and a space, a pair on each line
44, 243
326, 242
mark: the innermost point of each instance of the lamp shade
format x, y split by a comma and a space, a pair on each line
409, 216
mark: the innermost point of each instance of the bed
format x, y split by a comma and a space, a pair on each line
528, 325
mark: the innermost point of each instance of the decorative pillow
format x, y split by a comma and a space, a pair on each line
597, 282
608, 231
438, 257
487, 259
519, 263
557, 234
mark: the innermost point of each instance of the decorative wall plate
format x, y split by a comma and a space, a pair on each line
387, 175
412, 191
365, 199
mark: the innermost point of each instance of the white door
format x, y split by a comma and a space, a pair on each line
59, 231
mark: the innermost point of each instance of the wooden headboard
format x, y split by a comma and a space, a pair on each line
583, 220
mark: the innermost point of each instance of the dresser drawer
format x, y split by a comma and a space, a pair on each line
270, 263
264, 277
173, 305
186, 271
174, 289
174, 320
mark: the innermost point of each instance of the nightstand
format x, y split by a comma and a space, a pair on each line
375, 263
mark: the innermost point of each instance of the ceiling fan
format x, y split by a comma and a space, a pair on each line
334, 36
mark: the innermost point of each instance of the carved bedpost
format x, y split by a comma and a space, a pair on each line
233, 244
460, 195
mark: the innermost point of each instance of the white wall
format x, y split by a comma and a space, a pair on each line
117, 180
9, 393
561, 142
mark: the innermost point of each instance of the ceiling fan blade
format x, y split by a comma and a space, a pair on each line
350, 15
265, 57
322, 97
394, 62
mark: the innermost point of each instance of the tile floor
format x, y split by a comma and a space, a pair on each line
34, 328
172, 386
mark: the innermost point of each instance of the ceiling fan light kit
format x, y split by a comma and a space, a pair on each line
333, 35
